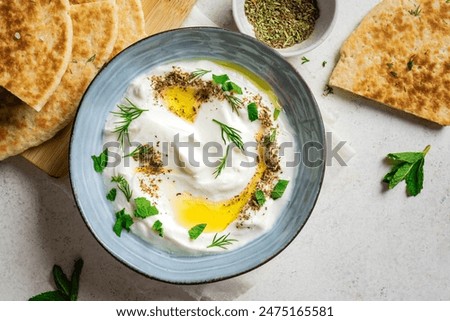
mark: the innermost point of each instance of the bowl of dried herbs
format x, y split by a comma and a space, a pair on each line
292, 27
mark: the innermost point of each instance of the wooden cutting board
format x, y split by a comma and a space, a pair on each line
160, 15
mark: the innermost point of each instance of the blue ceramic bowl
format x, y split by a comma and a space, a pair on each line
108, 88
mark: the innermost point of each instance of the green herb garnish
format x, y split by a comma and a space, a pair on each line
229, 87
75, 280
227, 84
123, 186
123, 221
305, 60
235, 103
270, 138
279, 189
324, 63
328, 90
100, 161
222, 164
393, 74
410, 63
144, 208
232, 134
91, 59
276, 113
158, 227
390, 65
127, 115
221, 241
198, 73
195, 231
252, 110
416, 12
67, 290
407, 166
111, 196
260, 197
141, 150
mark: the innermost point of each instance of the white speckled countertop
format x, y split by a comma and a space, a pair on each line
361, 242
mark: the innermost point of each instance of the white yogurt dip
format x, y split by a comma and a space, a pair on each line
186, 190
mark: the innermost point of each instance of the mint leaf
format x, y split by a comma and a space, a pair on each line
226, 84
100, 161
144, 208
157, 227
406, 157
252, 109
279, 189
123, 221
414, 180
407, 166
220, 79
260, 198
61, 281
111, 196
67, 290
50, 296
75, 282
276, 113
195, 231
232, 87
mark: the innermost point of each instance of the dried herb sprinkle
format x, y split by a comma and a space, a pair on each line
282, 23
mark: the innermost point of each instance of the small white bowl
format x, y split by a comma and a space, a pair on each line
322, 29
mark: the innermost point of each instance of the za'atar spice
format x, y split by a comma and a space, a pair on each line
282, 23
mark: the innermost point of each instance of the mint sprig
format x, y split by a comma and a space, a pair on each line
67, 290
407, 166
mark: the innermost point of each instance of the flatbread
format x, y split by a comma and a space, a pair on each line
131, 24
35, 48
400, 56
20, 126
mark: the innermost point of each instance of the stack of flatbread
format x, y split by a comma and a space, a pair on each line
400, 56
49, 53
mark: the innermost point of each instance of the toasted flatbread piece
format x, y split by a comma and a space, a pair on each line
131, 24
400, 56
35, 48
20, 126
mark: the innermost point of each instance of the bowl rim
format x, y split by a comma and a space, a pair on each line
238, 17
211, 280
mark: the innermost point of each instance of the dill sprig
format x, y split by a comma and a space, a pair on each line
123, 186
305, 60
222, 164
416, 12
198, 73
127, 115
235, 102
231, 133
221, 241
141, 150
